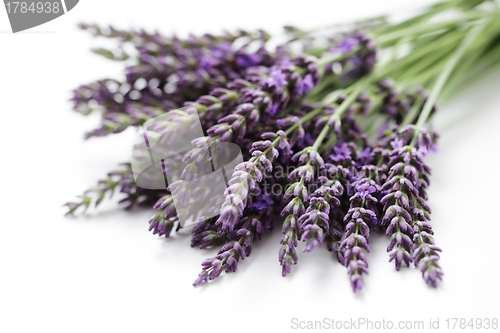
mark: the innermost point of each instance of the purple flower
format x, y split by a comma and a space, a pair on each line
248, 60
406, 214
305, 85
207, 62
189, 68
205, 234
263, 201
238, 246
397, 143
276, 78
341, 152
274, 109
345, 46
365, 189
221, 50
360, 218
358, 63
364, 156
314, 223
423, 150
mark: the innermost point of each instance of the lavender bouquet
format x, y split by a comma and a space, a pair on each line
334, 127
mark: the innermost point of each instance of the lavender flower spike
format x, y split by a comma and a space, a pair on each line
402, 187
238, 246
361, 216
247, 177
406, 207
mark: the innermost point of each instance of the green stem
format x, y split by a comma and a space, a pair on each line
475, 72
445, 74
435, 47
304, 119
338, 113
475, 66
424, 28
410, 117
433, 10
337, 56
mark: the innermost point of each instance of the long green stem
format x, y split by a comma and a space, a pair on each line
434, 47
388, 39
433, 10
476, 68
445, 74
417, 106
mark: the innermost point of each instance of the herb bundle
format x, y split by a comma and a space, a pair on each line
334, 137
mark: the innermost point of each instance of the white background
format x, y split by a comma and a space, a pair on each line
104, 272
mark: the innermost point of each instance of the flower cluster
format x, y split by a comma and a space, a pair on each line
360, 218
297, 220
168, 73
407, 215
333, 146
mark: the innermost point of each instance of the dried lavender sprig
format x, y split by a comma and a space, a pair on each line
355, 242
293, 201
409, 161
122, 179
402, 186
332, 180
425, 251
238, 246
314, 221
163, 222
409, 214
360, 199
345, 162
361, 217
158, 44
205, 234
258, 217
247, 176
287, 254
